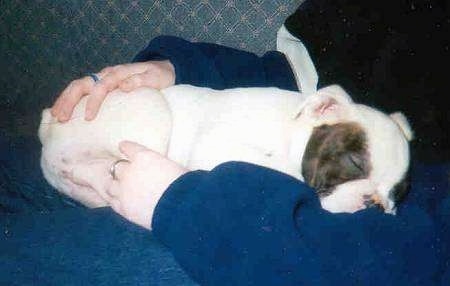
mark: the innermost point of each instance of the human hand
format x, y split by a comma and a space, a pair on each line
154, 74
139, 183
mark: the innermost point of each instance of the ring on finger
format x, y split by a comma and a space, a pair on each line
94, 77
112, 169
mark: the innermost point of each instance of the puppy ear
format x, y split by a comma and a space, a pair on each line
402, 122
337, 92
323, 101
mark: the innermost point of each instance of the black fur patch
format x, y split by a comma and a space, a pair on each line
401, 189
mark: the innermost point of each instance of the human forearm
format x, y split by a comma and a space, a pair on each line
235, 224
219, 67
242, 224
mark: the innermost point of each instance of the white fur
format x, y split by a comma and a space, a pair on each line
299, 60
344, 194
201, 128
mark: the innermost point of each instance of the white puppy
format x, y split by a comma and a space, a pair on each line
353, 155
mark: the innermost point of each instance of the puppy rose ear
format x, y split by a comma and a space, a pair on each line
322, 101
335, 91
402, 122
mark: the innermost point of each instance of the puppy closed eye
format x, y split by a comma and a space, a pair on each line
339, 169
353, 166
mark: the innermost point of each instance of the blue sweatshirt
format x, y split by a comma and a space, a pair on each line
219, 67
242, 224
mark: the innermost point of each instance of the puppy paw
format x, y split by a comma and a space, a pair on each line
373, 201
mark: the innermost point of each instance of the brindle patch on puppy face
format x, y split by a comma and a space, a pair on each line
335, 154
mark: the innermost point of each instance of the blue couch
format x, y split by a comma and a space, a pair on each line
46, 44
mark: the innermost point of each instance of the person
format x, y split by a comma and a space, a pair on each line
240, 223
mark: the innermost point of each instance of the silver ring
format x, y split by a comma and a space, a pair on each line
112, 169
95, 77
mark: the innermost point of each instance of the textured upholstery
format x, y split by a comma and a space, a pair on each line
45, 44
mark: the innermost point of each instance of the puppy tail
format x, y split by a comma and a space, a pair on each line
403, 123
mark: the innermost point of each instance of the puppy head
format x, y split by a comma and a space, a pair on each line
354, 152
335, 154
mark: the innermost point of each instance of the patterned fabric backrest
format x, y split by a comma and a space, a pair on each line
47, 43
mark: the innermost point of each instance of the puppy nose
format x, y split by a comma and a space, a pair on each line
373, 201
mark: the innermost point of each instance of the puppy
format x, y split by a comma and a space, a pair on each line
353, 155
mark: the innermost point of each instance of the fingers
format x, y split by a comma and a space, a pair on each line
71, 95
96, 176
158, 74
130, 149
108, 83
93, 174
63, 107
155, 74
117, 206
118, 168
115, 190
135, 81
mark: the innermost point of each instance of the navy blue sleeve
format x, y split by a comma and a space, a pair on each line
219, 67
241, 224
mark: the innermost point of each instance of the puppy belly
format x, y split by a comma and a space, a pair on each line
262, 142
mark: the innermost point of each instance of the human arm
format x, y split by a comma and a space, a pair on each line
255, 226
244, 223
219, 67
170, 60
